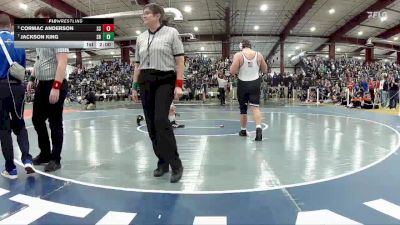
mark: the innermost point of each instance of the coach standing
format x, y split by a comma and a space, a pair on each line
12, 93
49, 99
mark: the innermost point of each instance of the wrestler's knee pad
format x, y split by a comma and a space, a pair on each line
243, 109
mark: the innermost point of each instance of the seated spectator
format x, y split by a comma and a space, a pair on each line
88, 101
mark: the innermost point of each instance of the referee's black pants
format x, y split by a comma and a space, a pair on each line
42, 111
14, 123
157, 92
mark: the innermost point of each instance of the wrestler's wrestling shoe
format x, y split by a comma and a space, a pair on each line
243, 133
258, 134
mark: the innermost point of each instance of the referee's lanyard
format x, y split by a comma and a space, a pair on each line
148, 47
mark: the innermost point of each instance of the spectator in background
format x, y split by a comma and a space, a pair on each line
204, 88
384, 90
222, 84
364, 86
264, 89
89, 100
371, 86
393, 93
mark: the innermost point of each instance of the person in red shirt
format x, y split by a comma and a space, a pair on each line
377, 88
350, 85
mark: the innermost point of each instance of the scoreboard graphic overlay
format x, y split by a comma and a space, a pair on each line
86, 33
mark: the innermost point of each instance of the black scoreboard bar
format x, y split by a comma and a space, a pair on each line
65, 32
58, 36
58, 28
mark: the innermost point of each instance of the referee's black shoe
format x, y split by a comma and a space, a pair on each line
176, 175
161, 170
39, 159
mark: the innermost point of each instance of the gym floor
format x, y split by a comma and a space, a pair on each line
315, 165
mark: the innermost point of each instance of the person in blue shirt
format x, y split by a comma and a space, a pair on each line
12, 95
356, 87
364, 85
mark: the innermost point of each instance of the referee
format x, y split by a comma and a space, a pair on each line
159, 73
12, 94
49, 100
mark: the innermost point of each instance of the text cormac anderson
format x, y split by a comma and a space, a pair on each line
46, 28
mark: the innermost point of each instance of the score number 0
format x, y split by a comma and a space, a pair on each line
108, 27
98, 37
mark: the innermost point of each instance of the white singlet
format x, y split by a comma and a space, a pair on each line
249, 71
